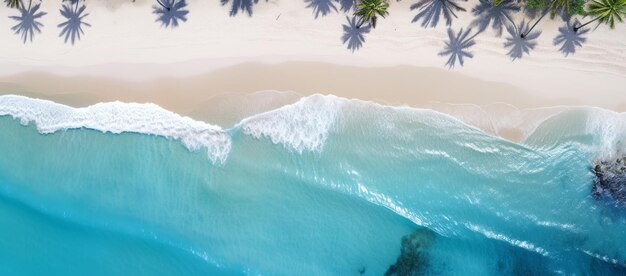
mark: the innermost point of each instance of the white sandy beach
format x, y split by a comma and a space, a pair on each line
214, 66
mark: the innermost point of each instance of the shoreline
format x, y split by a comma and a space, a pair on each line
515, 126
222, 98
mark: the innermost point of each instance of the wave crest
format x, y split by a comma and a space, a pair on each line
301, 126
118, 117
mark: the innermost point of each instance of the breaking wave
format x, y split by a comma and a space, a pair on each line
118, 117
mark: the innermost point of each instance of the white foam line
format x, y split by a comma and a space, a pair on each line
501, 237
118, 117
600, 257
301, 126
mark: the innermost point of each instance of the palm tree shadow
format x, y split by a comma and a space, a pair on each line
321, 7
170, 12
518, 45
570, 39
347, 5
353, 35
27, 21
240, 5
457, 47
72, 28
431, 10
497, 16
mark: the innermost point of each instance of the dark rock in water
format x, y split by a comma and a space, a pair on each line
610, 181
413, 258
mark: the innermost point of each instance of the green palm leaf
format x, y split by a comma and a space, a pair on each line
369, 10
569, 6
13, 3
607, 11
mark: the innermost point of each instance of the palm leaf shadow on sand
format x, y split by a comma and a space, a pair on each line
430, 11
72, 28
321, 7
347, 5
244, 6
498, 16
518, 45
570, 39
353, 36
170, 12
27, 22
457, 47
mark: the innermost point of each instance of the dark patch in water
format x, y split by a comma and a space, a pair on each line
413, 259
601, 267
515, 261
610, 181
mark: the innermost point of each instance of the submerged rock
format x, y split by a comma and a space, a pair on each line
413, 259
610, 181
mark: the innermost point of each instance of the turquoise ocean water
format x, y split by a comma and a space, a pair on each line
326, 186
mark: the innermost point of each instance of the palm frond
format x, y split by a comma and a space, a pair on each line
369, 10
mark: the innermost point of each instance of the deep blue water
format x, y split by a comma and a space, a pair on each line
332, 197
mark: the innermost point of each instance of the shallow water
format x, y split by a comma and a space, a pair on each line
323, 187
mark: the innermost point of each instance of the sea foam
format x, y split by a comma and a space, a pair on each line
118, 117
610, 129
302, 126
307, 124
